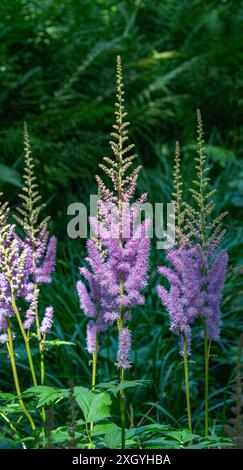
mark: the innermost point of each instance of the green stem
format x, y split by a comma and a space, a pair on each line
119, 122
42, 367
122, 411
91, 444
41, 349
186, 370
12, 427
94, 366
16, 381
121, 374
32, 369
26, 340
207, 346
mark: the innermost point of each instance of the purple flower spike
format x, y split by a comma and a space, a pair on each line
124, 349
196, 285
85, 301
31, 312
47, 320
44, 271
118, 252
91, 336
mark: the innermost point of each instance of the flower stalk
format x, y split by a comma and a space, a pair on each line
207, 345
186, 371
121, 374
16, 380
94, 368
26, 340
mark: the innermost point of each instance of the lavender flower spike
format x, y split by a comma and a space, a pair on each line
85, 301
47, 321
43, 272
215, 283
31, 312
91, 336
124, 349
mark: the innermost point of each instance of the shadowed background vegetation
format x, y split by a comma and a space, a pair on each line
57, 72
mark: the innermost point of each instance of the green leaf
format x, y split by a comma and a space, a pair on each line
115, 388
112, 438
130, 384
161, 444
95, 406
62, 435
148, 428
101, 429
11, 408
47, 395
8, 396
111, 433
83, 397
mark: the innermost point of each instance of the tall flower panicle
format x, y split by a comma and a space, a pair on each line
41, 248
197, 274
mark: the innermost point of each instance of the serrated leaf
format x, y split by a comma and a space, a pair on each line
112, 438
83, 397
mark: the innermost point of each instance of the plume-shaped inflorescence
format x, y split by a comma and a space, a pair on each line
117, 261
195, 290
25, 261
41, 247
197, 272
36, 235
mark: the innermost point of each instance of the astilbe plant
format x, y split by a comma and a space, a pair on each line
119, 251
198, 267
27, 259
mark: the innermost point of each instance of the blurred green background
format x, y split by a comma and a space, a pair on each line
57, 72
